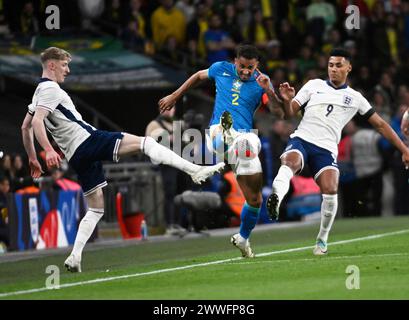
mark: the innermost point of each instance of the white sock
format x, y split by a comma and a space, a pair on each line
329, 208
85, 229
163, 155
281, 183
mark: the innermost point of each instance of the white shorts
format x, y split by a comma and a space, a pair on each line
239, 166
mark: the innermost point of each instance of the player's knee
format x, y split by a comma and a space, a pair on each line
295, 166
96, 199
331, 189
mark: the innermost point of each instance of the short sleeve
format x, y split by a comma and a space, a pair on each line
31, 110
364, 108
214, 69
304, 95
49, 98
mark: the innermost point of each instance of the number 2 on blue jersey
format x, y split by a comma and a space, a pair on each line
235, 98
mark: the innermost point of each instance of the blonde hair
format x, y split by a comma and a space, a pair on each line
54, 53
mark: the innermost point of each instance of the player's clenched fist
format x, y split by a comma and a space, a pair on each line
166, 103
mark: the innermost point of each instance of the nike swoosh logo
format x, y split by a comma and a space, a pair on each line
226, 74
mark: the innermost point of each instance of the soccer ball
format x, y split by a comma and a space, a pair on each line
247, 146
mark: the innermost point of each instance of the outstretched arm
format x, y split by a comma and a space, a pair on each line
291, 106
169, 101
51, 157
28, 142
385, 129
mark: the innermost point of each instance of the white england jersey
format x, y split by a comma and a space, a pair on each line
327, 111
64, 122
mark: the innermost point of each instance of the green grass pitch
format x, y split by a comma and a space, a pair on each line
210, 268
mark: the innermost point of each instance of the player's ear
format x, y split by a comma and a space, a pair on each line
349, 67
51, 65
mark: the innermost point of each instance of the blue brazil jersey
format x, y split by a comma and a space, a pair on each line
240, 98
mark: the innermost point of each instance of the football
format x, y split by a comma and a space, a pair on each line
247, 146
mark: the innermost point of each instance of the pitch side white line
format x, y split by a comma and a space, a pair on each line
98, 280
326, 258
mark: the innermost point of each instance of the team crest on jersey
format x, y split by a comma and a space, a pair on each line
347, 100
237, 85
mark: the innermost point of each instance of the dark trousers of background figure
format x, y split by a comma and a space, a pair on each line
369, 194
170, 178
401, 189
349, 196
4, 234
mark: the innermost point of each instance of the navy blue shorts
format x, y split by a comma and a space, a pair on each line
317, 158
87, 159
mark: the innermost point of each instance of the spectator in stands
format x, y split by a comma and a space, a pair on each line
61, 183
293, 73
133, 37
333, 40
6, 166
321, 17
195, 35
368, 163
379, 42
306, 60
274, 57
28, 20
20, 173
387, 89
232, 198
258, 32
168, 21
380, 106
4, 26
230, 23
4, 228
136, 15
188, 9
405, 15
289, 38
113, 18
243, 14
217, 41
364, 81
161, 129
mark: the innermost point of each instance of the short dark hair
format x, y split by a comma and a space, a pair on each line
247, 51
340, 52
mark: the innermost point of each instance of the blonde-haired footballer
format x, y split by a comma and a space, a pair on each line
85, 146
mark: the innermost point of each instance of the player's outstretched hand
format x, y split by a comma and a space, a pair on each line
52, 159
262, 80
286, 91
35, 168
166, 103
